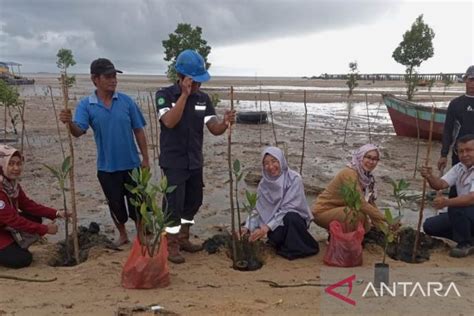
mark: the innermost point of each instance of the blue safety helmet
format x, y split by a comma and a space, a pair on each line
190, 64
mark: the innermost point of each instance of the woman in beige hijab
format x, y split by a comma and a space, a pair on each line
20, 217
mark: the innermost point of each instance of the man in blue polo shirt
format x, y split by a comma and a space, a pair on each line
458, 223
117, 123
184, 110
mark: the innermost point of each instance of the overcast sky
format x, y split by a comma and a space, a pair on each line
248, 37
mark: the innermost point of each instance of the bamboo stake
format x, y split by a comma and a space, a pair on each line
260, 125
152, 135
273, 124
71, 173
417, 144
231, 181
22, 117
439, 193
368, 117
427, 162
157, 138
5, 125
57, 122
304, 131
12, 121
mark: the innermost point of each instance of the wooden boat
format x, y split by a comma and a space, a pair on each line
407, 118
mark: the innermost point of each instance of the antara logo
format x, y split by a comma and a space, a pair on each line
404, 289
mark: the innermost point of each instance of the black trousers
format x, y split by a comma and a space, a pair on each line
118, 197
292, 240
185, 201
13, 256
457, 224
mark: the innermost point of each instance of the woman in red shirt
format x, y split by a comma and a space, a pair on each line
19, 214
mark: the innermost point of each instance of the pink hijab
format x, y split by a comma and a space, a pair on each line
366, 178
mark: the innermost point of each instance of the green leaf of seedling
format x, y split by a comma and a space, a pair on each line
403, 185
388, 216
146, 176
163, 184
55, 172
145, 214
236, 166
171, 189
130, 188
66, 166
134, 175
240, 176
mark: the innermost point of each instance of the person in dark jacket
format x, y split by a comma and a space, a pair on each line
459, 122
183, 111
19, 214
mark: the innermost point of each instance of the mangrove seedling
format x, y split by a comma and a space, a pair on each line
353, 201
61, 175
401, 195
238, 174
390, 230
250, 208
145, 199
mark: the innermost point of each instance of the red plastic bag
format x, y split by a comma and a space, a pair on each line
344, 249
144, 272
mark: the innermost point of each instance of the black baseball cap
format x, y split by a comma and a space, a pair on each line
469, 73
103, 66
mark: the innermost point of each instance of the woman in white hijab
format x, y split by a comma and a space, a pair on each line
282, 213
20, 217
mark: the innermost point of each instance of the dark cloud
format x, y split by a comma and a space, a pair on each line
131, 31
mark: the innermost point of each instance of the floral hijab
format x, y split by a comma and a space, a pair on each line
11, 187
366, 178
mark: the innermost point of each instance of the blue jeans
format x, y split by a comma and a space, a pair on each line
457, 224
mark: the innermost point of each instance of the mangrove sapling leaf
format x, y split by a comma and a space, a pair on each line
390, 229
353, 200
61, 175
401, 195
145, 197
236, 166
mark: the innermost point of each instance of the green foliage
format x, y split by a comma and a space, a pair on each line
390, 229
215, 100
401, 195
62, 172
352, 77
8, 95
251, 197
416, 47
352, 199
184, 37
145, 199
64, 61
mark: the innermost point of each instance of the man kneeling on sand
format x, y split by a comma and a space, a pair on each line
458, 223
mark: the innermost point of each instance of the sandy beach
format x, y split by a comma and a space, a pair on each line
206, 284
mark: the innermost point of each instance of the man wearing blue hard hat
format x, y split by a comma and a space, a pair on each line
183, 111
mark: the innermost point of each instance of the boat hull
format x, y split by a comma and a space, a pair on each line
409, 119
